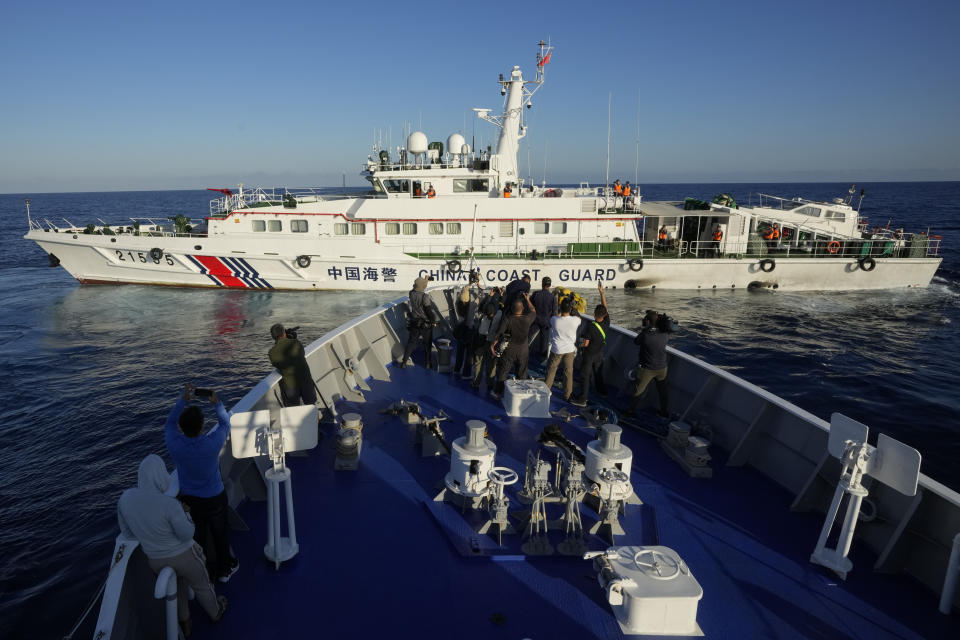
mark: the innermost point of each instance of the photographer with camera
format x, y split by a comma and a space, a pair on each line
484, 359
287, 355
421, 320
197, 457
513, 333
652, 340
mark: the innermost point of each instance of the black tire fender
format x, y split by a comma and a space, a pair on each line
867, 263
303, 261
635, 264
454, 266
156, 254
767, 265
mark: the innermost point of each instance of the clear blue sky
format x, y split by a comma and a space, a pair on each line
183, 95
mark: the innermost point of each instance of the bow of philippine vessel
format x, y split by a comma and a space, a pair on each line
445, 209
720, 538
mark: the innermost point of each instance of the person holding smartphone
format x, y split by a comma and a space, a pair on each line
197, 456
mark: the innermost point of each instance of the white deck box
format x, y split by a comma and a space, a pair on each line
526, 398
654, 593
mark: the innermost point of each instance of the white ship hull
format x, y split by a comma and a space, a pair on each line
249, 265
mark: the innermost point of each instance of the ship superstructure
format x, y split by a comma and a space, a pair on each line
444, 210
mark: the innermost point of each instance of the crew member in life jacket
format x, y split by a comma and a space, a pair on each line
507, 191
717, 237
617, 187
772, 236
627, 190
417, 192
430, 192
591, 351
662, 243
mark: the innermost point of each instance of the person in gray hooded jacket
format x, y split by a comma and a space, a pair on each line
162, 526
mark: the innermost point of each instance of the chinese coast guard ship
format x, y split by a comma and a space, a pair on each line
424, 509
446, 211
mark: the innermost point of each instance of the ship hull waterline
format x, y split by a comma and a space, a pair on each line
91, 264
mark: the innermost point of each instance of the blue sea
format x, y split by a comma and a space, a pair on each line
91, 371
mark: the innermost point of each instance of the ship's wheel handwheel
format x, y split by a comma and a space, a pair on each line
656, 565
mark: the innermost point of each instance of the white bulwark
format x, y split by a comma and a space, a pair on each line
446, 211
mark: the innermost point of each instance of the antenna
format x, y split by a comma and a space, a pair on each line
636, 164
890, 462
606, 184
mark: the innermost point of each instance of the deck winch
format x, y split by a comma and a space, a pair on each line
471, 459
650, 590
349, 442
608, 466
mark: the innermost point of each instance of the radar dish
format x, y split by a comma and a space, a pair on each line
455, 143
417, 142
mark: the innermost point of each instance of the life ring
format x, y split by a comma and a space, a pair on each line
833, 246
156, 254
454, 266
635, 264
303, 261
550, 193
867, 263
767, 265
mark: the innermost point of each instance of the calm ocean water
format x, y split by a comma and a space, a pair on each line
91, 372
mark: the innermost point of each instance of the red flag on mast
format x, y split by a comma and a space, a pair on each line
546, 60
225, 192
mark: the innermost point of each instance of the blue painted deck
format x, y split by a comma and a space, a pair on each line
376, 562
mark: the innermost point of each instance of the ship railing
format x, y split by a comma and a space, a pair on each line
262, 197
918, 246
912, 246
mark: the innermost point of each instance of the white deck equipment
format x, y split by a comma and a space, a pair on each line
650, 590
273, 433
891, 462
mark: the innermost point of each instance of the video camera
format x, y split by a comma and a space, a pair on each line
663, 323
502, 345
292, 332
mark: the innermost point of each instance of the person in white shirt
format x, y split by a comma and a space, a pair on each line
563, 347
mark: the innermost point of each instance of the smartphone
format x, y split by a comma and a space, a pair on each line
203, 393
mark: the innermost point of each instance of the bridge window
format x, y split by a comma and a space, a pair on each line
453, 228
559, 227
341, 228
298, 226
397, 186
409, 228
358, 228
839, 216
259, 225
813, 212
541, 227
465, 185
274, 225
436, 228
392, 228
